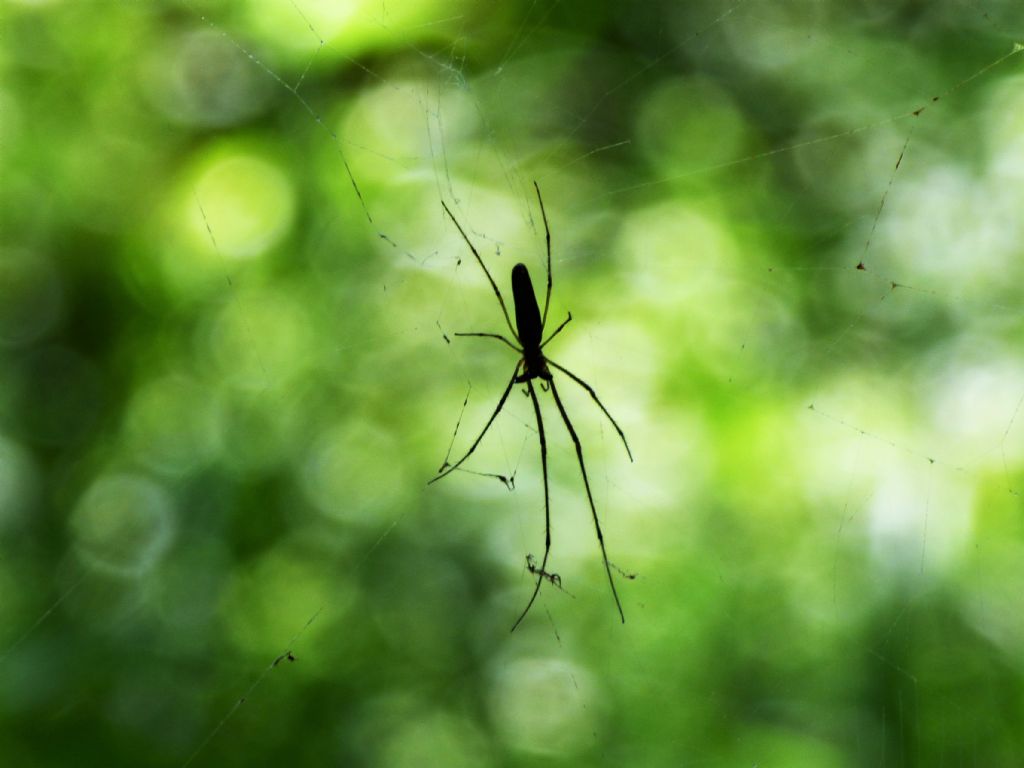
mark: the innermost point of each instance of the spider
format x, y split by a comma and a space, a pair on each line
534, 364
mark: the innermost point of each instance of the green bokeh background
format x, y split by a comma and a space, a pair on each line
226, 378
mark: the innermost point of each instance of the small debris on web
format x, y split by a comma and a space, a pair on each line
531, 566
631, 575
286, 655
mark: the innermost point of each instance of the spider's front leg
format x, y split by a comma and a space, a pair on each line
501, 402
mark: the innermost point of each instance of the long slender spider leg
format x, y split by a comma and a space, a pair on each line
593, 394
547, 237
590, 498
483, 266
547, 509
556, 331
504, 396
497, 336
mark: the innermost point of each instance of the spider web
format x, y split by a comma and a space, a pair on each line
850, 385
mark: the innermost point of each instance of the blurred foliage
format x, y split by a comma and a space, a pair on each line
790, 237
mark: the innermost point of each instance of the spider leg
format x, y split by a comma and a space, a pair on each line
593, 394
547, 510
480, 261
556, 331
547, 237
504, 396
497, 336
590, 498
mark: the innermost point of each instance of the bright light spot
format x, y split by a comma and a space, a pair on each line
919, 520
686, 276
780, 37
30, 296
544, 706
842, 462
974, 405
169, 424
402, 148
201, 78
688, 125
447, 740
345, 26
12, 127
1005, 129
256, 428
17, 481
1004, 121
279, 593
991, 595
262, 339
300, 31
944, 226
123, 524
679, 255
354, 474
249, 205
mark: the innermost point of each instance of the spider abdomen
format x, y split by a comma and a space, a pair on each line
528, 322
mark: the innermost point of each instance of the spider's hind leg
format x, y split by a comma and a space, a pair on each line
542, 571
590, 497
